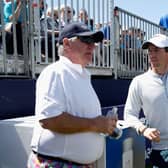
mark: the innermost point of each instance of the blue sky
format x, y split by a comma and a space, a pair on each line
149, 9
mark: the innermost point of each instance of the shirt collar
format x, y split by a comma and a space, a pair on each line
76, 67
153, 73
162, 77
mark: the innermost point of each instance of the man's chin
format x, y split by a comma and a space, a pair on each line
156, 65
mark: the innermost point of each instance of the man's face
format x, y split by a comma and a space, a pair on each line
67, 13
82, 15
55, 14
82, 52
158, 57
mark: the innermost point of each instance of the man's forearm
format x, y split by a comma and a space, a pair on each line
68, 124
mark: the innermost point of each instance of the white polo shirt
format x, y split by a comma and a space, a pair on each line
66, 87
149, 91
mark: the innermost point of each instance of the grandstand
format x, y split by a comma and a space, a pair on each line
121, 56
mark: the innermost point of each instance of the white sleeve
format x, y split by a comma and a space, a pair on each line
50, 96
133, 105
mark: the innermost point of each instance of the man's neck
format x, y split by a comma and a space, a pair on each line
160, 70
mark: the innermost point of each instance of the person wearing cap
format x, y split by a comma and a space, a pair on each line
163, 22
149, 92
69, 125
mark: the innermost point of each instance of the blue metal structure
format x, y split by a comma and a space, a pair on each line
17, 97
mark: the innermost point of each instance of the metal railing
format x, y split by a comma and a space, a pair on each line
130, 33
102, 64
14, 53
119, 54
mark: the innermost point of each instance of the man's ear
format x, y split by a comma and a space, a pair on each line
66, 41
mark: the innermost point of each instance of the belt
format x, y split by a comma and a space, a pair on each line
53, 158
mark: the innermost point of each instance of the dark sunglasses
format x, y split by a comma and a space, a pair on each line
87, 40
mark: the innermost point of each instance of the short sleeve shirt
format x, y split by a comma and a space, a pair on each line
66, 87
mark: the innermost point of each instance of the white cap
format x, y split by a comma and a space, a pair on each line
159, 40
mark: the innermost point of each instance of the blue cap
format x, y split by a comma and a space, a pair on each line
81, 31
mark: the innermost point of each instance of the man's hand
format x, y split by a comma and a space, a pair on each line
152, 134
105, 125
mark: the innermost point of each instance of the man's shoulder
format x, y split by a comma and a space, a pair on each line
50, 68
141, 77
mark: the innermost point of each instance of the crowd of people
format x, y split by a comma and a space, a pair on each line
66, 16
49, 19
52, 21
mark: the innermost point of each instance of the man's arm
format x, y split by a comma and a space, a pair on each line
68, 124
151, 133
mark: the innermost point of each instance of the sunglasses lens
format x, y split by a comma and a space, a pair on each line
87, 40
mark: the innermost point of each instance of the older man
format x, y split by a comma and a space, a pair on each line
69, 120
149, 91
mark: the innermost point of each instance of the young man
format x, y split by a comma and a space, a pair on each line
149, 92
69, 120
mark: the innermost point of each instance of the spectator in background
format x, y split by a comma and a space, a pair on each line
136, 38
8, 20
105, 48
66, 15
49, 24
149, 92
83, 18
98, 26
0, 20
50, 21
9, 14
140, 37
124, 39
1, 14
42, 7
67, 131
132, 38
164, 21
0, 32
5, 1
106, 31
